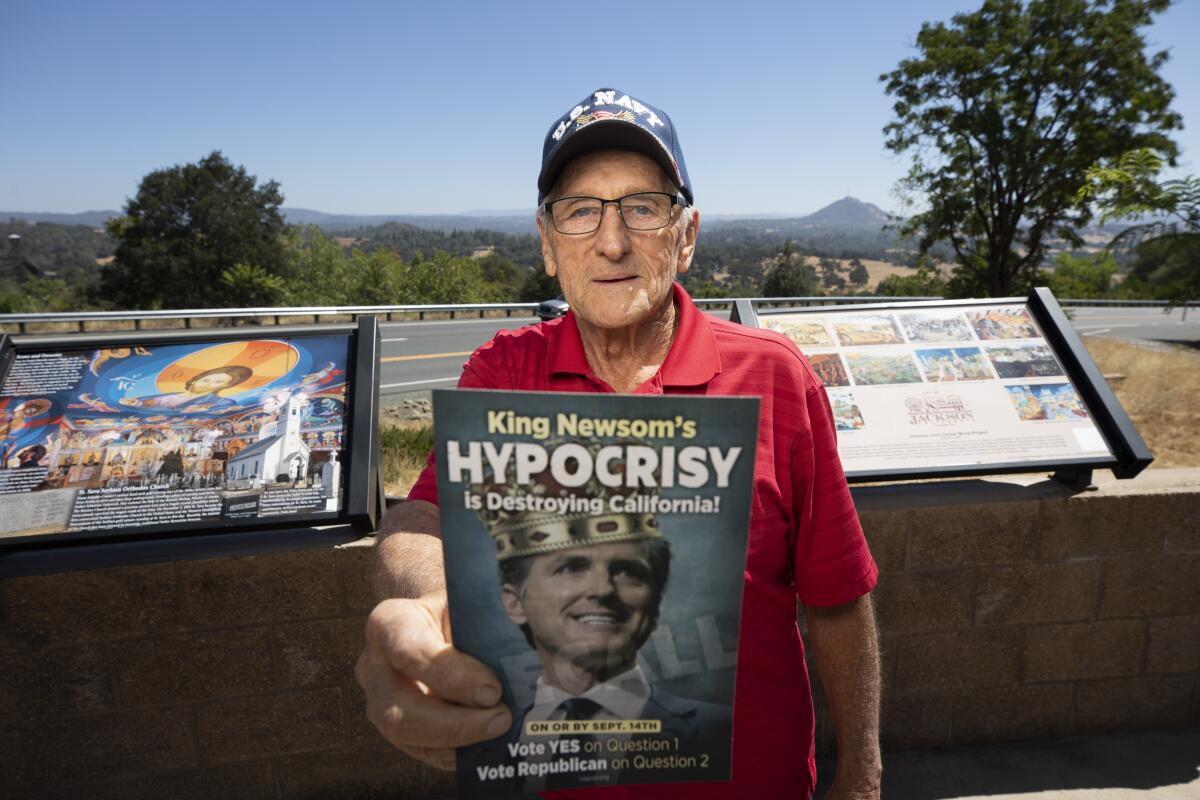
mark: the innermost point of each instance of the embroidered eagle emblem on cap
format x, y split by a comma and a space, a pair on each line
587, 119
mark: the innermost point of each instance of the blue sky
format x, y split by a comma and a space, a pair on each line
397, 107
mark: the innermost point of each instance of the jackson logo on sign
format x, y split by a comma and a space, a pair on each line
936, 410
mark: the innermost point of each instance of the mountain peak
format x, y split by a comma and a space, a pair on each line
847, 212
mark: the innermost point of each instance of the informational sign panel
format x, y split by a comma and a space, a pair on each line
957, 387
184, 432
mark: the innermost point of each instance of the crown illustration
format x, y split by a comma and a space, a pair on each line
544, 516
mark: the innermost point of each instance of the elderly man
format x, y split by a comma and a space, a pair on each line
617, 225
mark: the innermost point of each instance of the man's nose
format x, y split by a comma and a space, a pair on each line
600, 581
613, 237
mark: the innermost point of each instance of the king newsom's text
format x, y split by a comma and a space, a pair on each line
510, 423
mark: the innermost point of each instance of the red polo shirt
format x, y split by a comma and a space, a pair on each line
805, 540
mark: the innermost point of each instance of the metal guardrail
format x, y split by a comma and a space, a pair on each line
1151, 303
818, 300
90, 320
239, 316
231, 317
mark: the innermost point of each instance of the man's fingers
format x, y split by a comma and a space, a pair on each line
412, 718
438, 758
407, 635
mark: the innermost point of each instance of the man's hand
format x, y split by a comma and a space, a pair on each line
424, 696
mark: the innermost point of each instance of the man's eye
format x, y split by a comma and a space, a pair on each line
582, 212
631, 573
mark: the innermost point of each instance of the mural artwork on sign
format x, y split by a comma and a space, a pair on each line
172, 434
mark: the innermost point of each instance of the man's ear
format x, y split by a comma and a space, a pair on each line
511, 598
547, 251
690, 234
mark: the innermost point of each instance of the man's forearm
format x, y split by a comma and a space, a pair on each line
408, 552
846, 653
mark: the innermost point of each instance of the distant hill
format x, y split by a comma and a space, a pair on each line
93, 219
848, 212
503, 222
72, 253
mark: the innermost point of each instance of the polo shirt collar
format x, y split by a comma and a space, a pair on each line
566, 348
692, 361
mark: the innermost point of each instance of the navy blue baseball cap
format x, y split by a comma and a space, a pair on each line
609, 118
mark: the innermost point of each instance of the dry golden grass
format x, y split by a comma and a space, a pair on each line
1159, 392
406, 445
876, 270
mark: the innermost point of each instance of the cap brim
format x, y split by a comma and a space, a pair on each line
603, 135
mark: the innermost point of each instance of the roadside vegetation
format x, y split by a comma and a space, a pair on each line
1158, 389
405, 445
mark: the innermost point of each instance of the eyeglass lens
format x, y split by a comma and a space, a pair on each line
646, 211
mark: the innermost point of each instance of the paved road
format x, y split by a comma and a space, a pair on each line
427, 355
1138, 323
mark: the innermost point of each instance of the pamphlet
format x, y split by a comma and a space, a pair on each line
595, 547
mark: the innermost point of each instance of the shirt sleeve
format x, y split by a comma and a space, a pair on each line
833, 564
477, 374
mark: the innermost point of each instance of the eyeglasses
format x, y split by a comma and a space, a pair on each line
643, 211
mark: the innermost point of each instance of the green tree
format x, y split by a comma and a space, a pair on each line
705, 289
318, 271
538, 286
446, 279
1005, 108
1082, 277
506, 275
1167, 248
1169, 266
251, 285
791, 276
1129, 188
35, 295
68, 251
858, 273
925, 283
187, 225
378, 279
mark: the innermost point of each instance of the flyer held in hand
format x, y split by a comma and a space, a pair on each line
595, 547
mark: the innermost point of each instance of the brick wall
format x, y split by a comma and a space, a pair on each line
1006, 611
1010, 612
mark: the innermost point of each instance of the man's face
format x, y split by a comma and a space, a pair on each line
615, 277
212, 383
593, 605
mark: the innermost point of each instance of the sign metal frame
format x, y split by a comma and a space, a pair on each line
361, 476
1130, 453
